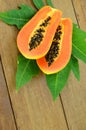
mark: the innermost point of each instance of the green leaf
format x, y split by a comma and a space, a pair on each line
49, 2
57, 81
26, 69
79, 43
38, 3
75, 67
18, 17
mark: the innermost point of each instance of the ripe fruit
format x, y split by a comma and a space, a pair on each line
34, 39
60, 50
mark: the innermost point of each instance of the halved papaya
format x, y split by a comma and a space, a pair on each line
60, 50
34, 39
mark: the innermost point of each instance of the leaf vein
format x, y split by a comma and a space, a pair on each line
23, 72
17, 19
56, 84
79, 50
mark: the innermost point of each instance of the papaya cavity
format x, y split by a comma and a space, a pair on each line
60, 51
34, 39
39, 33
55, 48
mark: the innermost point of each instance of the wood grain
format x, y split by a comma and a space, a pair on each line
80, 11
74, 94
33, 106
6, 116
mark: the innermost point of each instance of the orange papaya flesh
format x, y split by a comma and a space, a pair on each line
34, 38
60, 51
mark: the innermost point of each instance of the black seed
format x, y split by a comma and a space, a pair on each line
46, 22
38, 36
54, 49
59, 28
40, 30
60, 32
53, 52
48, 19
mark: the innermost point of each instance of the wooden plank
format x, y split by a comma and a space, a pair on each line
6, 116
80, 11
66, 7
74, 94
33, 106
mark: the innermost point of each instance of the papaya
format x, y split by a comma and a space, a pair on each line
34, 39
60, 51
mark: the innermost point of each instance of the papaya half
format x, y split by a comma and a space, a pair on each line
60, 50
34, 39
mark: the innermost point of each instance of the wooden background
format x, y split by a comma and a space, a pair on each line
32, 108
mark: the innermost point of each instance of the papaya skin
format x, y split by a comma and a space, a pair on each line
25, 33
65, 52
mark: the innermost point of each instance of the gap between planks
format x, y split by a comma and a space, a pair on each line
64, 112
74, 12
8, 94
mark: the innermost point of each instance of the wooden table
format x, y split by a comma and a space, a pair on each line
32, 108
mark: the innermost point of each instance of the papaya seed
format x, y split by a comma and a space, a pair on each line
54, 49
38, 35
